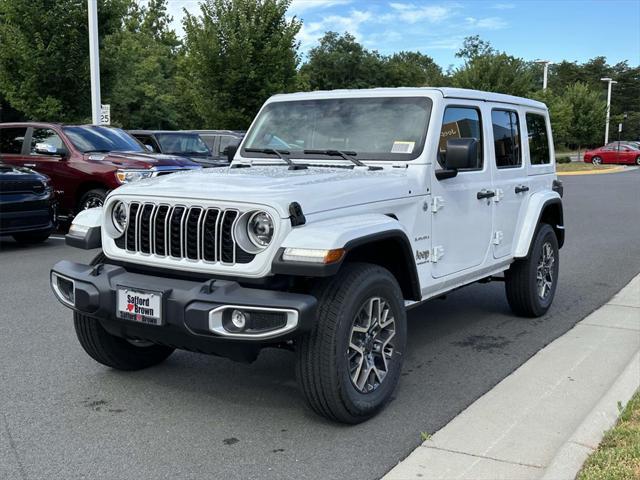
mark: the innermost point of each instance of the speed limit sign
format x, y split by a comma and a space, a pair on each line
105, 114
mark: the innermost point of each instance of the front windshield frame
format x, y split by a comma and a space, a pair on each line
106, 139
417, 151
163, 136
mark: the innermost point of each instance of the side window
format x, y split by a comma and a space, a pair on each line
460, 122
506, 138
538, 139
225, 140
45, 135
11, 139
148, 140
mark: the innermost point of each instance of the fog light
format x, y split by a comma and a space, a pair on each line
64, 288
238, 319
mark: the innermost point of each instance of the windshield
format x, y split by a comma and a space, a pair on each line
392, 128
182, 144
102, 139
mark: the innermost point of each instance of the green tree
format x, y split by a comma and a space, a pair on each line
139, 65
236, 54
44, 55
473, 47
412, 69
560, 113
496, 72
339, 61
587, 113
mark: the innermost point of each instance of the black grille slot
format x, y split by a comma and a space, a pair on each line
209, 240
174, 232
145, 228
191, 233
227, 247
131, 229
159, 229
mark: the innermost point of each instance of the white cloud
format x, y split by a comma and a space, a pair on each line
503, 6
299, 6
312, 31
488, 23
411, 13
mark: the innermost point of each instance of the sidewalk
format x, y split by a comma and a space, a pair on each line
546, 417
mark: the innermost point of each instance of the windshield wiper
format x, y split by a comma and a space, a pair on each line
98, 150
347, 155
283, 154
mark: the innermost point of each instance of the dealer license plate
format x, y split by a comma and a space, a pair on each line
139, 306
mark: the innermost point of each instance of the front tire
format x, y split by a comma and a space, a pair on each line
116, 352
596, 161
91, 199
531, 282
349, 365
638, 160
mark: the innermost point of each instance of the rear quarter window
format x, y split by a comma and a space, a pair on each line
538, 139
11, 139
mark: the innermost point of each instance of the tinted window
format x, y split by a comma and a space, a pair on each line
538, 139
225, 141
506, 138
182, 143
45, 135
11, 139
460, 122
102, 139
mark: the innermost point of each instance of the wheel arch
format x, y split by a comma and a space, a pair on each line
543, 209
84, 187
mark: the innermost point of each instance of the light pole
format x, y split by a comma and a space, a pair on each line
606, 128
546, 64
94, 61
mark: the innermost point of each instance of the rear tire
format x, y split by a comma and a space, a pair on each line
116, 352
349, 365
531, 282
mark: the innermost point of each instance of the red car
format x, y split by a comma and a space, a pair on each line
84, 162
623, 154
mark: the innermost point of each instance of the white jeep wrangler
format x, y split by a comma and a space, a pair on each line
340, 210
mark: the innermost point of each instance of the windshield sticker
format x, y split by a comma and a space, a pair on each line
402, 147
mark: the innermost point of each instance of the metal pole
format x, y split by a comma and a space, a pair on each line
94, 61
544, 80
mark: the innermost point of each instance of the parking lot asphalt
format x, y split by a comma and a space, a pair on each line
65, 416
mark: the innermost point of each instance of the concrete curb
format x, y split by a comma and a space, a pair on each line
572, 455
593, 172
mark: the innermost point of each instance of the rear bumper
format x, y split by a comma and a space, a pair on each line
186, 308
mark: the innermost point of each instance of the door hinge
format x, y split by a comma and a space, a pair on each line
497, 237
436, 204
499, 195
436, 253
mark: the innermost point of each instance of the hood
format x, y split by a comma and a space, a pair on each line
316, 189
9, 172
142, 160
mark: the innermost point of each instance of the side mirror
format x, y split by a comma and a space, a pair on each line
149, 148
231, 149
48, 149
462, 153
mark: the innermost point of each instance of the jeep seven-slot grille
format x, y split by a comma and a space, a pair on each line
196, 233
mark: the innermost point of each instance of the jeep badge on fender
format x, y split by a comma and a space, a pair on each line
340, 210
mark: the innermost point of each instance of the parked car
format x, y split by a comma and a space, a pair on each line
27, 204
84, 162
629, 143
185, 144
340, 211
219, 140
624, 154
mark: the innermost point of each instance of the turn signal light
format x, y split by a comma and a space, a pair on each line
313, 255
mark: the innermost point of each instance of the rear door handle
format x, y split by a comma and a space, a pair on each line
485, 194
522, 189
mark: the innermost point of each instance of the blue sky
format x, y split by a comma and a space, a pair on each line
544, 29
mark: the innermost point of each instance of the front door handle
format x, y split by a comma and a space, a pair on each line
522, 189
485, 194
29, 164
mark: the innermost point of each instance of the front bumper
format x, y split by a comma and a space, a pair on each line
186, 307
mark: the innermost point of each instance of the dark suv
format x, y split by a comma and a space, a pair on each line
27, 205
84, 162
185, 144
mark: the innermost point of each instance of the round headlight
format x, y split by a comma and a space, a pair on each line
260, 229
119, 216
